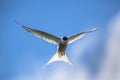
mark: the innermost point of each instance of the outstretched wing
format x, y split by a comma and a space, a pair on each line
79, 35
46, 36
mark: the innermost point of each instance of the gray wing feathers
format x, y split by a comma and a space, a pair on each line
79, 35
76, 37
46, 36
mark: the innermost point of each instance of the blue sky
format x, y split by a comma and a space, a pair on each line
20, 51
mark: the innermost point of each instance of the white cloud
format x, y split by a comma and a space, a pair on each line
111, 66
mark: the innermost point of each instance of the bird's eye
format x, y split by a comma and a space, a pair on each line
65, 38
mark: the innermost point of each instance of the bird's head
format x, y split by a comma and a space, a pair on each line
64, 39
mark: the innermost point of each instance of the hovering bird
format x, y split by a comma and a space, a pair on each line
62, 42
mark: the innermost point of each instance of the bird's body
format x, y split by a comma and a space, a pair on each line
62, 42
62, 47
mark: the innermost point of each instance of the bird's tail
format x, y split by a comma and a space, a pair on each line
58, 57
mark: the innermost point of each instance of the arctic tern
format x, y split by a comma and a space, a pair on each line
62, 42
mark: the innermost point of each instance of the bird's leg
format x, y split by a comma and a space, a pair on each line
62, 53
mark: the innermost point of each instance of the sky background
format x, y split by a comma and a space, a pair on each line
23, 55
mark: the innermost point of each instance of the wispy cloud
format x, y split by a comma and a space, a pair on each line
111, 64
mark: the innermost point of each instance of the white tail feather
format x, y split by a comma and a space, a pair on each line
57, 57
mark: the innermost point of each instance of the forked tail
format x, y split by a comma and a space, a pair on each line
57, 57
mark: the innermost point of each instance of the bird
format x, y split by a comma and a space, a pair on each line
61, 42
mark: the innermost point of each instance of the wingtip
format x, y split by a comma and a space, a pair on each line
20, 24
17, 22
94, 29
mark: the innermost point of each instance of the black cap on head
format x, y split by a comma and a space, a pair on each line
65, 38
